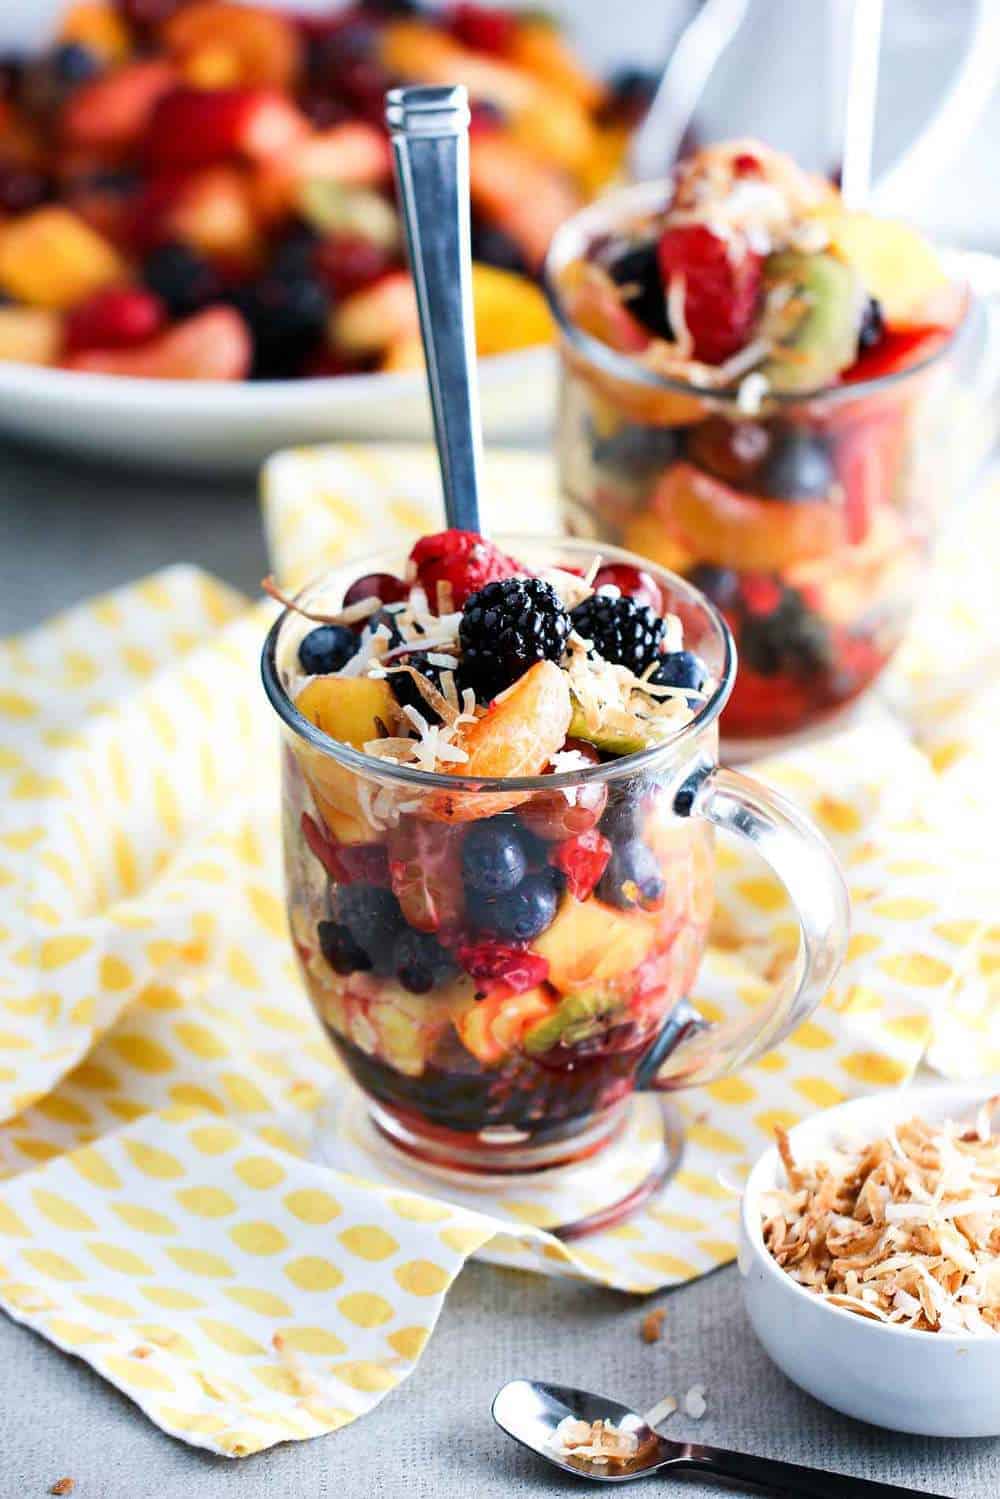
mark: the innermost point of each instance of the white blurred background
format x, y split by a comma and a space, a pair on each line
782, 77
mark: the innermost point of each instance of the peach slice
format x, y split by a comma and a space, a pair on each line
518, 736
590, 945
492, 1027
730, 529
345, 709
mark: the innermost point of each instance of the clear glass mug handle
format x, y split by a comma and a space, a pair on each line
689, 1052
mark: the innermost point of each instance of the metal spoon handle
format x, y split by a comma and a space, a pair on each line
789, 1479
430, 141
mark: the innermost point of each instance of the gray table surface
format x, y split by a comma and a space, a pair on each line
68, 531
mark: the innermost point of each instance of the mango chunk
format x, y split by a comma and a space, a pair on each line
51, 258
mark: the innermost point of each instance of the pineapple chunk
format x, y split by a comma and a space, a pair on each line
591, 944
895, 262
345, 709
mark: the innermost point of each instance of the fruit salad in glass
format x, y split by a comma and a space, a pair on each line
200, 189
500, 782
751, 396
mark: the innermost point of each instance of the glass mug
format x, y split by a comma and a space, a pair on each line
467, 1070
817, 565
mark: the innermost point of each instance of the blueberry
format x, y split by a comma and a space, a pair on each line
373, 920
872, 330
181, 279
327, 649
637, 271
73, 63
493, 857
623, 814
720, 584
340, 950
295, 256
408, 694
522, 914
681, 669
632, 876
790, 639
798, 466
494, 246
636, 451
287, 320
420, 961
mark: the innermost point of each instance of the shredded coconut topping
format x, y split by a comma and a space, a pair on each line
905, 1230
600, 1442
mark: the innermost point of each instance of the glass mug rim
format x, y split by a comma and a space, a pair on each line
624, 765
610, 209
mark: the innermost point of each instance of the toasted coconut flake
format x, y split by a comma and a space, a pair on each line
660, 1412
598, 1441
903, 1230
349, 616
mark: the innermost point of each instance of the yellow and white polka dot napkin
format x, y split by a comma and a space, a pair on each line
160, 1067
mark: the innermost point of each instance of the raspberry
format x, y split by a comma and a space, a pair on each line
507, 627
621, 630
721, 293
583, 860
502, 965
464, 559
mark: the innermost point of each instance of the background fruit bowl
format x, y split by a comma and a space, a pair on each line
70, 380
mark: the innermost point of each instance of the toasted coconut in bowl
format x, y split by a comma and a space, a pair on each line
870, 1257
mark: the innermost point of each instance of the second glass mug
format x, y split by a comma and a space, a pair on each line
809, 524
509, 1077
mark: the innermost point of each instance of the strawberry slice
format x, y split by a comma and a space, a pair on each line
500, 967
113, 110
897, 349
583, 860
425, 871
194, 127
212, 345
463, 560
722, 282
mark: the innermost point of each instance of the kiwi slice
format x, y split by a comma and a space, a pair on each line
576, 1016
814, 325
612, 741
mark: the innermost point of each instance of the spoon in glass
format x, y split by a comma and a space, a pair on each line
529, 1411
429, 128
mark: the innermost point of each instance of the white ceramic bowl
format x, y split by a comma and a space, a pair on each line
933, 1384
195, 424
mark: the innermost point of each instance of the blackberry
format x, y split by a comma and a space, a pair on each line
420, 961
506, 627
183, 281
372, 919
620, 630
287, 318
790, 639
340, 950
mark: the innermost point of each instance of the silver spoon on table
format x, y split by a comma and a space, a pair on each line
529, 1411
429, 128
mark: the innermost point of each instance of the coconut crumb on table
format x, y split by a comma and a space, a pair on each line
695, 1404
651, 1326
903, 1230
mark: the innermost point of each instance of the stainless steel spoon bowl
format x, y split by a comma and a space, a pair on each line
529, 1411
